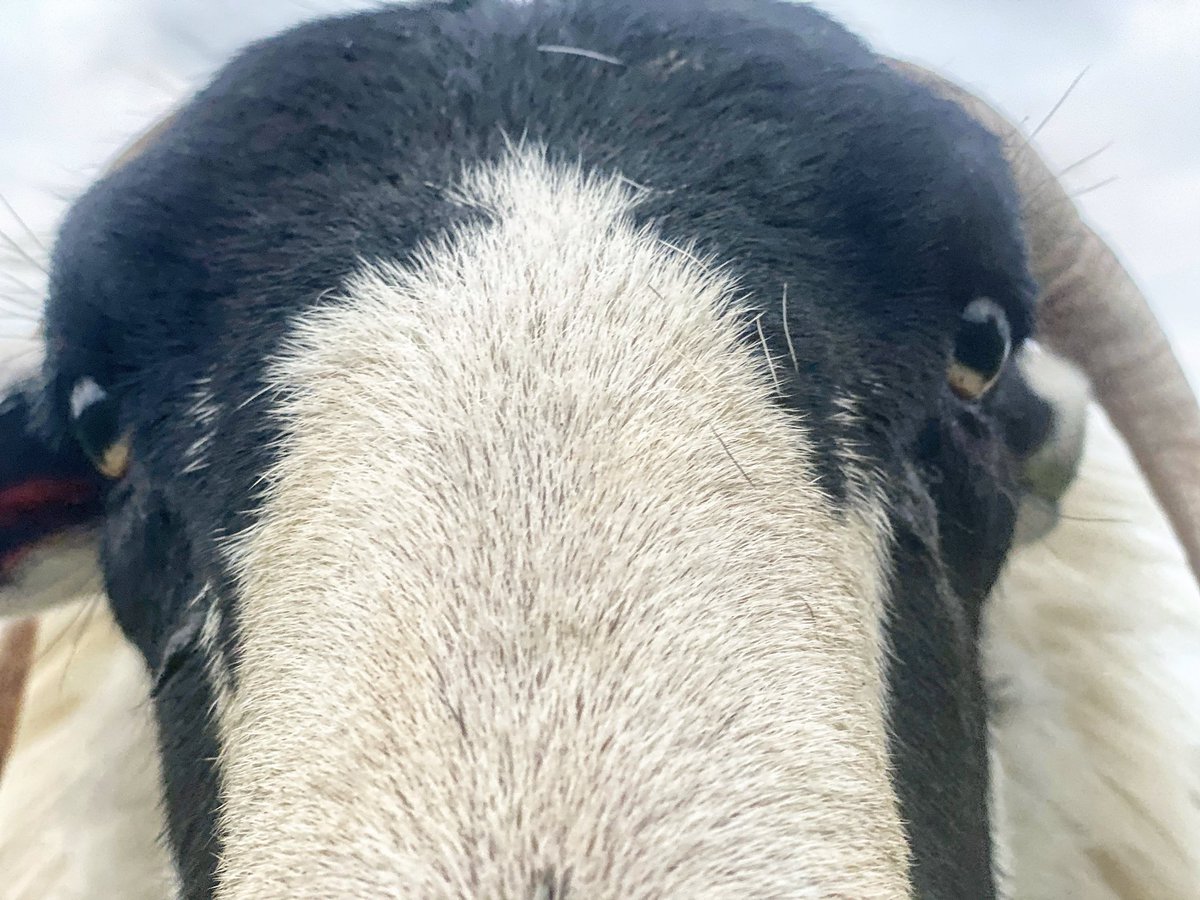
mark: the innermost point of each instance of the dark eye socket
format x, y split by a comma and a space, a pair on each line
981, 349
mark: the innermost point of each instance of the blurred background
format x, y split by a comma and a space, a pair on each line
1111, 86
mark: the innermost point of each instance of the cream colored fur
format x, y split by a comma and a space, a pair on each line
1093, 640
61, 567
1093, 633
543, 592
79, 803
1095, 792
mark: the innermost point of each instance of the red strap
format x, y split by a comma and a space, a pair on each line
18, 500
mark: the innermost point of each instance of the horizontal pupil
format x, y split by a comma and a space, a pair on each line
980, 346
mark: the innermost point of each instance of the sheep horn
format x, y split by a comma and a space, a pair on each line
1091, 311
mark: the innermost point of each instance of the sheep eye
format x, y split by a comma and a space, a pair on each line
94, 422
981, 349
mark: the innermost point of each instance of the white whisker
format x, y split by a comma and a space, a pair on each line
13, 310
579, 51
80, 626
23, 285
1085, 160
1095, 187
23, 253
24, 227
1057, 106
787, 331
762, 339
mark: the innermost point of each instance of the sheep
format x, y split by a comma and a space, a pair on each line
565, 450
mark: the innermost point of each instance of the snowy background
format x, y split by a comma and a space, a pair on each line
78, 78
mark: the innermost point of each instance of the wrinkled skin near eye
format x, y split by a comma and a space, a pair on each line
981, 349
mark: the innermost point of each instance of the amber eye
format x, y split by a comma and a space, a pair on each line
981, 349
94, 422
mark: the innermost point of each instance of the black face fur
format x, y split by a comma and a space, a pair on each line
765, 133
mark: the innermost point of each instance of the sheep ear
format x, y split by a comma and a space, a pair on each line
50, 506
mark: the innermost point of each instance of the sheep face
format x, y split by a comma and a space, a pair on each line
551, 450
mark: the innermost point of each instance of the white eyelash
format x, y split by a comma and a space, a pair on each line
85, 394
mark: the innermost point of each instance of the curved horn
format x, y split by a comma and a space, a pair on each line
1091, 311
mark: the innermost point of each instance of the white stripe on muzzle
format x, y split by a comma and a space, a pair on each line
542, 589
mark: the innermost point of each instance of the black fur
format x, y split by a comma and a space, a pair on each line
764, 131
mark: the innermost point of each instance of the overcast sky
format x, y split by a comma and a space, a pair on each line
79, 77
